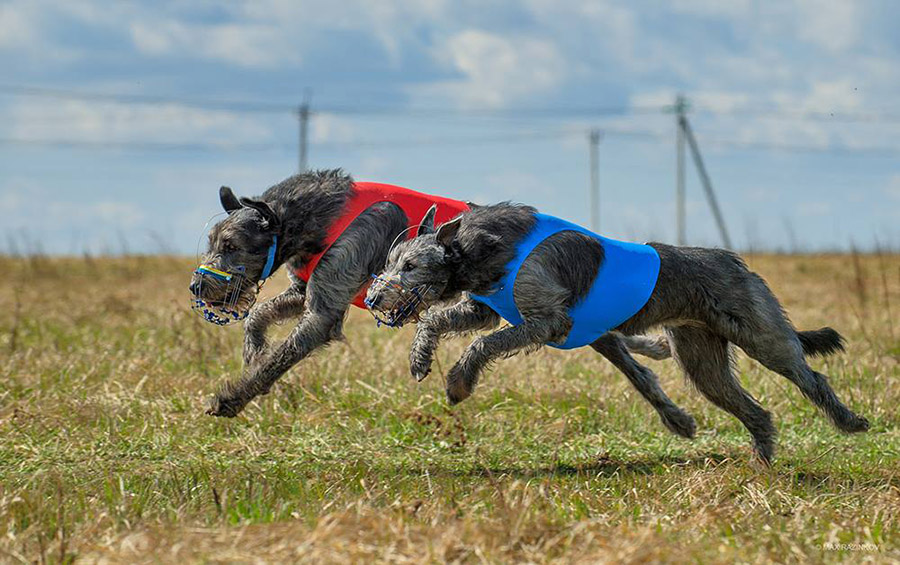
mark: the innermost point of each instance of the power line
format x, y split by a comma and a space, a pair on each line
437, 141
269, 107
794, 148
141, 145
266, 107
350, 144
806, 115
150, 100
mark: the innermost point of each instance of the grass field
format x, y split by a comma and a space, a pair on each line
106, 455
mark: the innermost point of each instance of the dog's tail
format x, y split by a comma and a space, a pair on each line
822, 342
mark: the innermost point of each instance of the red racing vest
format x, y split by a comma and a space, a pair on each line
365, 194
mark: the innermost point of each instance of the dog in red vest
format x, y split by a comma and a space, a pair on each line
332, 234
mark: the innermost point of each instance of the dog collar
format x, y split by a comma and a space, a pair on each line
270, 259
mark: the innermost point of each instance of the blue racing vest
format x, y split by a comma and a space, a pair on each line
624, 282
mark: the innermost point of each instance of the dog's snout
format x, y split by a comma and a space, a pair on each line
374, 299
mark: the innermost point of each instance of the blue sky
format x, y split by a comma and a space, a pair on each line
795, 106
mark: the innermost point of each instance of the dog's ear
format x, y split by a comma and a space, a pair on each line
448, 230
272, 219
229, 200
426, 226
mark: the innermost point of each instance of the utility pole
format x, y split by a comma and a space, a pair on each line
704, 178
680, 109
594, 141
303, 115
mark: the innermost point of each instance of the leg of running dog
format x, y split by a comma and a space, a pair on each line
286, 305
315, 330
766, 335
464, 316
677, 420
532, 333
654, 347
338, 278
738, 305
706, 360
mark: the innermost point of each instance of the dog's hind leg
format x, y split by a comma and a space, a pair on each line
706, 360
782, 352
654, 347
756, 323
288, 304
645, 381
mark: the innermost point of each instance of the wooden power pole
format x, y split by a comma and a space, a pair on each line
594, 140
303, 115
684, 132
680, 228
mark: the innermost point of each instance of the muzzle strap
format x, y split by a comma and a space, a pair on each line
215, 273
270, 259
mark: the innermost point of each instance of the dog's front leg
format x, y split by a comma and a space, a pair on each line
286, 305
315, 329
616, 349
463, 377
464, 316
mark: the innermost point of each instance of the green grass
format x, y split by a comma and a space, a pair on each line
105, 453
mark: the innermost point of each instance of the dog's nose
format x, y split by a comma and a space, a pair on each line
195, 288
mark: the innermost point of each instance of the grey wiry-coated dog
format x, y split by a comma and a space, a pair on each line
706, 299
299, 211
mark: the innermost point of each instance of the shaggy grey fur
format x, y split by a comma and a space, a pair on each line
299, 210
305, 205
706, 299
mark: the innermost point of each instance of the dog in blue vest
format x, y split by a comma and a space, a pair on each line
561, 285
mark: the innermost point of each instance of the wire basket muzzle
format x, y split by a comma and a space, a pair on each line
406, 307
231, 286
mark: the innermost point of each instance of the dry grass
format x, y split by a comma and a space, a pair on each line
105, 454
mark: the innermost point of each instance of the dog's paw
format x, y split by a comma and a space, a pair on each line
224, 407
458, 390
854, 424
679, 422
419, 367
764, 451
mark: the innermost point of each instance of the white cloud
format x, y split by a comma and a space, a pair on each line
372, 167
28, 203
249, 45
80, 120
495, 69
329, 128
833, 26
16, 27
823, 96
713, 8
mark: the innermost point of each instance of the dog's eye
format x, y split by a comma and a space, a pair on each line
228, 247
408, 266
